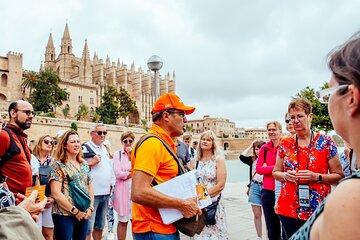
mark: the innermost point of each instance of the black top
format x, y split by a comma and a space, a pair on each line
248, 161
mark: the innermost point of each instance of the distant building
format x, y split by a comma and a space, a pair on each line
256, 133
10, 79
85, 79
222, 127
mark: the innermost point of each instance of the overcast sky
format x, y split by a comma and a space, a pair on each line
241, 60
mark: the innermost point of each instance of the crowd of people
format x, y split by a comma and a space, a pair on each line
86, 184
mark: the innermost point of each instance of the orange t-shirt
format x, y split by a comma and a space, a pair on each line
316, 157
153, 158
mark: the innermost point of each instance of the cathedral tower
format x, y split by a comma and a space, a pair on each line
50, 53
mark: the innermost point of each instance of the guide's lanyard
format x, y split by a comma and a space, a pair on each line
304, 189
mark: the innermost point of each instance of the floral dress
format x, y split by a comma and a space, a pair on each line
219, 230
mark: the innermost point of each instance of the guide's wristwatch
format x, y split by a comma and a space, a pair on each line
320, 178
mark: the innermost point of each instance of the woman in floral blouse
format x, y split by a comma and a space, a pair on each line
69, 222
307, 164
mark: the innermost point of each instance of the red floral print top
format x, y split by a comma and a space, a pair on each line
315, 157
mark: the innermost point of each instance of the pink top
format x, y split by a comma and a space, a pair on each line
122, 168
268, 181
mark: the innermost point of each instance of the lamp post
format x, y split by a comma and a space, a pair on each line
155, 63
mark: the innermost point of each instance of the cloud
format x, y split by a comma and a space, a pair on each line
242, 60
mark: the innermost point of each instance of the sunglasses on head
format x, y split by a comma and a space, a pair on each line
101, 133
126, 141
46, 141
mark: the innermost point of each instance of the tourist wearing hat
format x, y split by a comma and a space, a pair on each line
154, 163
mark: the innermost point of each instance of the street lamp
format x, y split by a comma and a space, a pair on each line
155, 63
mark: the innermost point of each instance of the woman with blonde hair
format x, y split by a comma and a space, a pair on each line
69, 221
264, 166
41, 163
211, 165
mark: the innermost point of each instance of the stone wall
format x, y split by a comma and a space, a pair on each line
44, 125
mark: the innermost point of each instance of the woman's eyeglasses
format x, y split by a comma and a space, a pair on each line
127, 141
46, 141
101, 133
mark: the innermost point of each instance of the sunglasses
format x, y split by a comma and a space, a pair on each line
27, 112
126, 141
287, 121
46, 141
101, 133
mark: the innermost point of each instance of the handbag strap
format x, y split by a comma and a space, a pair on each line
65, 172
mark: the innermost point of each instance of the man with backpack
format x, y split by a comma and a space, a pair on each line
101, 173
154, 164
15, 154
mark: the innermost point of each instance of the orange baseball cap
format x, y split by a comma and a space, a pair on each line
171, 100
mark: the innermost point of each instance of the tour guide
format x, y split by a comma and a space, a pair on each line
154, 162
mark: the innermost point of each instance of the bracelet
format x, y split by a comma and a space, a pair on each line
77, 212
91, 209
285, 176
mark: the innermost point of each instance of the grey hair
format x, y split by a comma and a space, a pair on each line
93, 127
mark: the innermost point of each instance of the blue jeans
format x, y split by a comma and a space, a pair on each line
156, 236
97, 218
68, 227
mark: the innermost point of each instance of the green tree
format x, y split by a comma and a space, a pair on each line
74, 126
29, 80
47, 94
189, 129
321, 119
144, 124
108, 110
127, 106
82, 113
66, 111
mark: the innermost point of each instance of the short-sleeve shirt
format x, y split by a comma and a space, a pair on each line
316, 156
153, 159
80, 177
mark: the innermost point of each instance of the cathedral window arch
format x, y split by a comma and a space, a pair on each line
4, 80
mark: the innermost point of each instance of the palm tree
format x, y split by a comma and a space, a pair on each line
66, 111
29, 81
82, 112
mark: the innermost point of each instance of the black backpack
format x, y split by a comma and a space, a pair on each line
13, 150
44, 176
89, 153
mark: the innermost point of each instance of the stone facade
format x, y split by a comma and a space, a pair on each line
85, 79
10, 79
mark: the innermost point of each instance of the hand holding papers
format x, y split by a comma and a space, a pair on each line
183, 186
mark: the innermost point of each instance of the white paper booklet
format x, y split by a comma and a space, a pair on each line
183, 186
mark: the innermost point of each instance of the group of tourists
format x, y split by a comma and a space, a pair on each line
290, 177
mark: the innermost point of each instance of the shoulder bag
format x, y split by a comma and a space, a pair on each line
188, 226
81, 199
210, 211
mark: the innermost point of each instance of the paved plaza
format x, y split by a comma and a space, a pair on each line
238, 214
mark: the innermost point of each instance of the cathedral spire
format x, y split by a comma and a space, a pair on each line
66, 45
50, 43
85, 53
49, 52
66, 34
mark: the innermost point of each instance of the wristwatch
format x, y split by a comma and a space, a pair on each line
319, 178
72, 209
